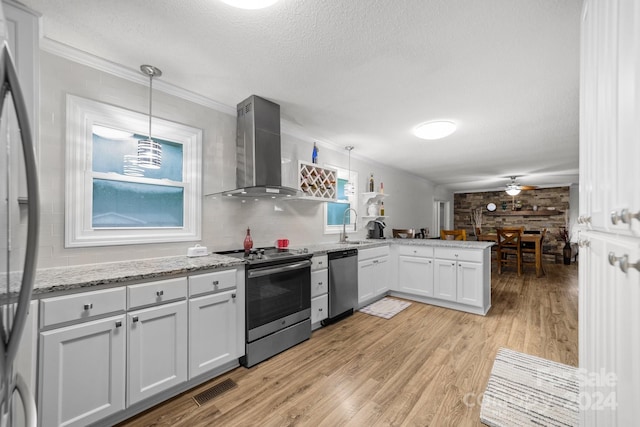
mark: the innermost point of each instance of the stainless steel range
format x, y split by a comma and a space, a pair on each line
278, 302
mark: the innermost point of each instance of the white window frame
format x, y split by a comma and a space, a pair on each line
353, 200
82, 114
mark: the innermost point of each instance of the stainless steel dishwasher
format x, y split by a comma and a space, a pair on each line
343, 284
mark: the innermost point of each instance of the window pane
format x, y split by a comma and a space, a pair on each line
108, 156
127, 204
335, 213
341, 184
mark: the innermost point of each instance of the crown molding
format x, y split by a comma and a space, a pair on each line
101, 64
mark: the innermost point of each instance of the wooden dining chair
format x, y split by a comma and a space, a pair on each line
529, 248
509, 248
403, 233
457, 234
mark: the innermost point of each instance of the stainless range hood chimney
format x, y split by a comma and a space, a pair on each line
258, 155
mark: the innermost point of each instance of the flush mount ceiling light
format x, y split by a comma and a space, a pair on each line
250, 4
150, 151
434, 130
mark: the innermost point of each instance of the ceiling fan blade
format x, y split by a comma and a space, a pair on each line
528, 187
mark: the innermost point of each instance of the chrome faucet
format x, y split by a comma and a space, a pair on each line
343, 234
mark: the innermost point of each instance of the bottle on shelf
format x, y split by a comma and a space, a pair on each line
314, 154
248, 241
381, 207
371, 184
381, 188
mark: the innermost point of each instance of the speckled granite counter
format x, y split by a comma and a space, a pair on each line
323, 248
82, 276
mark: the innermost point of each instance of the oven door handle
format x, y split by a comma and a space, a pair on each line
259, 272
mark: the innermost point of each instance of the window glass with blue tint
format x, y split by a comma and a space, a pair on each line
125, 200
336, 210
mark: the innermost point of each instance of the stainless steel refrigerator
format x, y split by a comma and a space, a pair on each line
19, 217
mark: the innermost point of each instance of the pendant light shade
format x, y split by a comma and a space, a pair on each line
349, 188
150, 151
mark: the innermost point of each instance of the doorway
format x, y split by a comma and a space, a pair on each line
441, 215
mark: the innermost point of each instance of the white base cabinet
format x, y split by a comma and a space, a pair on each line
213, 332
319, 290
457, 278
157, 350
415, 270
373, 274
82, 372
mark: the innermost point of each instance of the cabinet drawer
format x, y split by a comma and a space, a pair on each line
420, 251
82, 306
373, 253
318, 262
212, 282
319, 308
459, 254
319, 282
157, 292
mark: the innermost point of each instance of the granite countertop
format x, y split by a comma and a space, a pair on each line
60, 279
83, 276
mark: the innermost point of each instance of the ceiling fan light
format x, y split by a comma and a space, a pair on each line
513, 191
435, 129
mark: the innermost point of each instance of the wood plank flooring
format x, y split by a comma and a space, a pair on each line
425, 366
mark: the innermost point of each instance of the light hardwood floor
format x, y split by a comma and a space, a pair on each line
425, 366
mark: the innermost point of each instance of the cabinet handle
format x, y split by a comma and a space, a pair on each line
216, 282
375, 261
88, 306
584, 243
627, 216
623, 262
320, 309
582, 219
159, 293
135, 319
453, 263
118, 324
233, 295
319, 283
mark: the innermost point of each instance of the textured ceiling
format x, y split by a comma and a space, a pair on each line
364, 72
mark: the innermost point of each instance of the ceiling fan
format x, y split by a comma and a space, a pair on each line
513, 188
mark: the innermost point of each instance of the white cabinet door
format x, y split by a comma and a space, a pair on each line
213, 332
444, 279
157, 350
415, 275
366, 280
469, 283
382, 271
82, 372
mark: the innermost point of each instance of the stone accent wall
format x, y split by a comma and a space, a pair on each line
557, 197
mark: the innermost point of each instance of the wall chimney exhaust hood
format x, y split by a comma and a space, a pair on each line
258, 155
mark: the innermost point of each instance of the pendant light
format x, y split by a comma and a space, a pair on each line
349, 188
150, 151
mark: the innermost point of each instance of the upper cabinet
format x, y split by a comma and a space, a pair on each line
317, 183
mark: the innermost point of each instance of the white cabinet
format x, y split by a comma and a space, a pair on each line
157, 350
609, 280
373, 274
459, 276
415, 270
319, 290
82, 372
213, 331
609, 129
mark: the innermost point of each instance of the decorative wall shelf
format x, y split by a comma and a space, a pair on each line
540, 212
368, 218
317, 183
372, 199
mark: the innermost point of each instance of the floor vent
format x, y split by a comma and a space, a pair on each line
215, 391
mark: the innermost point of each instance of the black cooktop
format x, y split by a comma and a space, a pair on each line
268, 254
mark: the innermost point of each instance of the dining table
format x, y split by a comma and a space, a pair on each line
532, 238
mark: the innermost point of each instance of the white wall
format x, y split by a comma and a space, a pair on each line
409, 203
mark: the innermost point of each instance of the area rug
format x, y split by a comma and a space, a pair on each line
385, 308
525, 390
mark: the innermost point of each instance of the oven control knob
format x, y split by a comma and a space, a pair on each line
260, 254
250, 257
